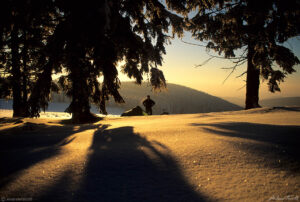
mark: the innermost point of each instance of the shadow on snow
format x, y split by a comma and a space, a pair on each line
272, 142
121, 166
29, 143
124, 166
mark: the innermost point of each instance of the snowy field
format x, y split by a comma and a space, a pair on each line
248, 155
60, 107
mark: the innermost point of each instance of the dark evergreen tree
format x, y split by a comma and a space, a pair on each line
91, 39
259, 28
25, 26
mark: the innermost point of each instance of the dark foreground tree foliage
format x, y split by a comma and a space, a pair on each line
86, 41
24, 27
86, 44
259, 28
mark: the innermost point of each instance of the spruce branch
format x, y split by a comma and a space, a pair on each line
233, 68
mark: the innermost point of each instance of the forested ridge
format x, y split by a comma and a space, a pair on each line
176, 99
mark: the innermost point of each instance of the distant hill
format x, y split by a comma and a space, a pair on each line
235, 100
273, 102
285, 101
176, 100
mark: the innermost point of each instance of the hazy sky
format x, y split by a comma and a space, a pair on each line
179, 68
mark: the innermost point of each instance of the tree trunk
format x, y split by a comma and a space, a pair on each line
16, 73
80, 106
252, 83
40, 93
25, 109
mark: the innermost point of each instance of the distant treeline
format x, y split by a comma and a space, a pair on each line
270, 102
285, 101
175, 100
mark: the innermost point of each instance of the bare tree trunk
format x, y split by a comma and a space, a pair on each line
252, 83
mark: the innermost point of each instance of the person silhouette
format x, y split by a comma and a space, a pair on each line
148, 103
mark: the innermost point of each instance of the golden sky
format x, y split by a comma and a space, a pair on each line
179, 68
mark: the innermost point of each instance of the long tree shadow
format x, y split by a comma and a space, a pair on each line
26, 144
280, 143
124, 166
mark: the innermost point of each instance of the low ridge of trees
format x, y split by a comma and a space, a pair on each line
175, 100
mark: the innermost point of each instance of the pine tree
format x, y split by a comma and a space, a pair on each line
91, 39
24, 29
259, 28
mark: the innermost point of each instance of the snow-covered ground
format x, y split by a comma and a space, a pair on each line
60, 107
248, 155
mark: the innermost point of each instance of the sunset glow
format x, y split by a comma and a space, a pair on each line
181, 59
